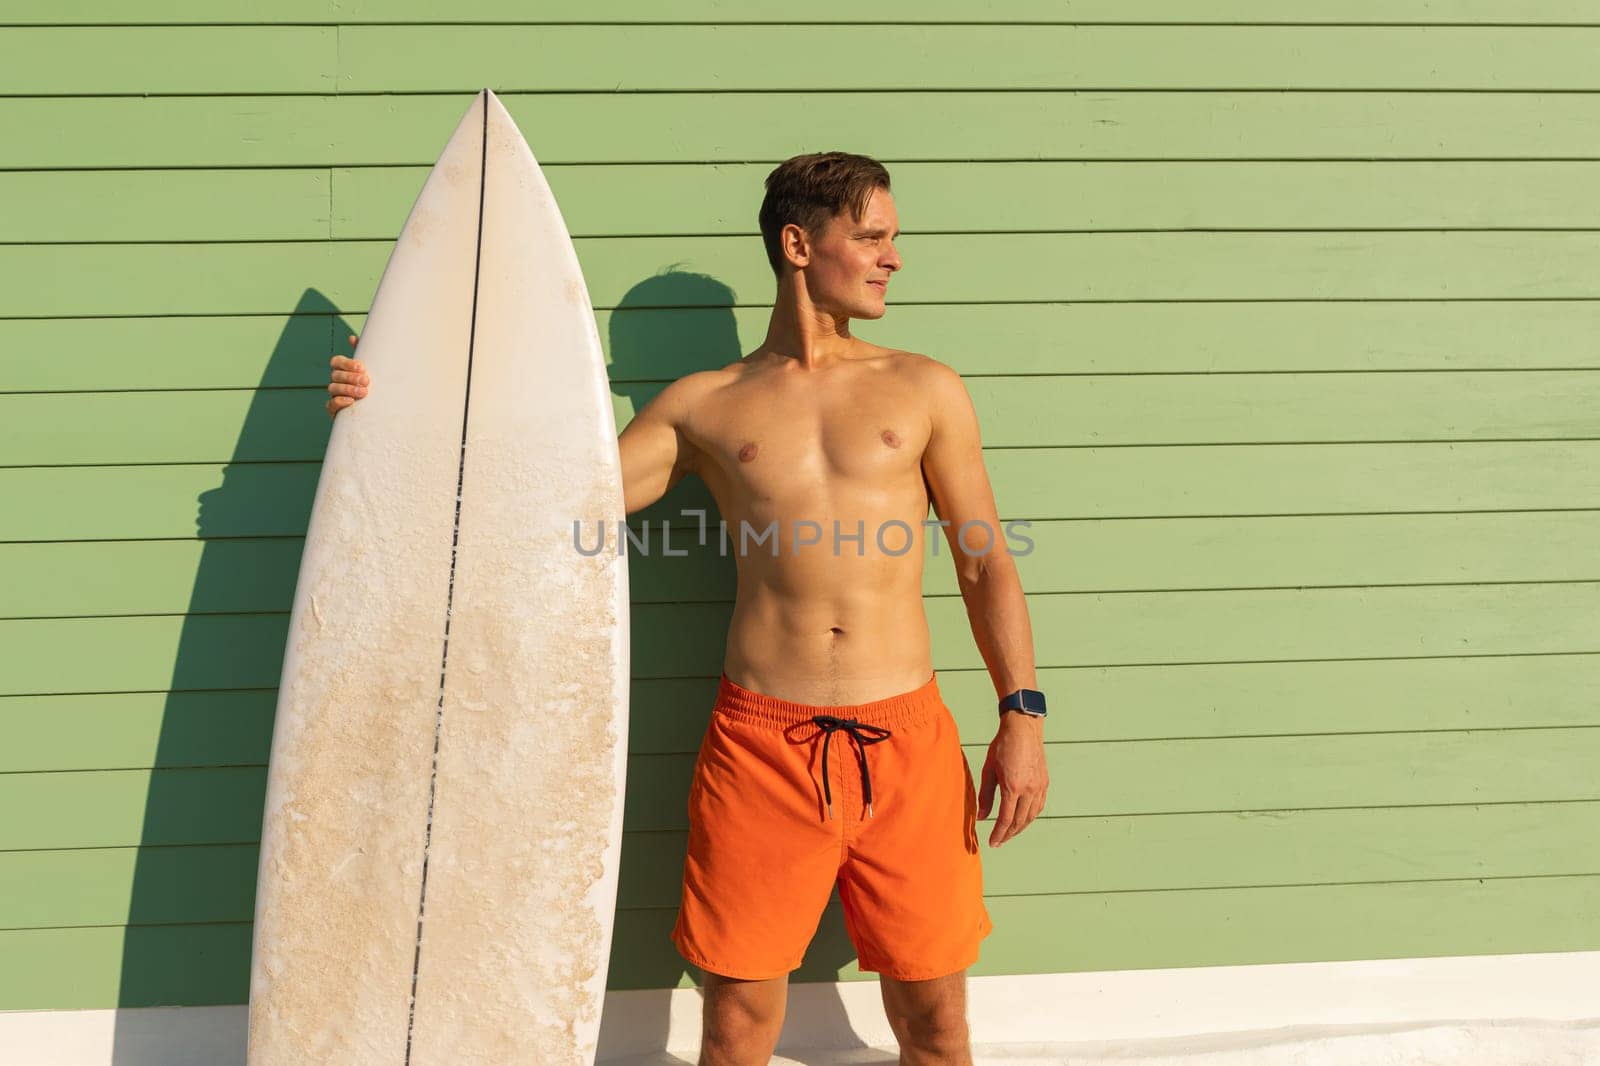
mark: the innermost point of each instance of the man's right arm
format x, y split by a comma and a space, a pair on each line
655, 452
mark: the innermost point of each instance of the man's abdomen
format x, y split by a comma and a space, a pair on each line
834, 646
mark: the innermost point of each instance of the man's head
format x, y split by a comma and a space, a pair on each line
830, 214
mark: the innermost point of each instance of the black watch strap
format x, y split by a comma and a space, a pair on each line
1026, 700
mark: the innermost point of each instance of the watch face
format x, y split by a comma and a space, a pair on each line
1024, 701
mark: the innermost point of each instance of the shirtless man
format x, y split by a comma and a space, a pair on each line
842, 445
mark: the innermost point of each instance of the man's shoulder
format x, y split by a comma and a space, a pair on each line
940, 386
698, 381
925, 368
683, 394
906, 358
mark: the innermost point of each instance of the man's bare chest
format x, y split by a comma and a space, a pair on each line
778, 442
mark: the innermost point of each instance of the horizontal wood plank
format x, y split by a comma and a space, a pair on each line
73, 578
195, 60
727, 12
653, 345
116, 502
371, 203
42, 206
96, 60
216, 352
727, 57
1118, 410
1018, 196
272, 277
169, 730
159, 653
407, 130
1032, 484
139, 730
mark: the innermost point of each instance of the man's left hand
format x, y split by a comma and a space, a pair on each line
1016, 764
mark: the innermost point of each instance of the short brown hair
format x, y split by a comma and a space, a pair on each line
808, 190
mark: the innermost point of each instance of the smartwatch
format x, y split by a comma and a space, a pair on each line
1028, 701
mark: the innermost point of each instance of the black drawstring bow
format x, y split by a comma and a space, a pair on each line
828, 724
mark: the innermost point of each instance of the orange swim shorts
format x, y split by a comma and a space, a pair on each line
788, 798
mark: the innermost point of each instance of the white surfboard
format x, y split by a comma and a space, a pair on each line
443, 818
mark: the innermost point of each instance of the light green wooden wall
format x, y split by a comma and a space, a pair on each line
1280, 319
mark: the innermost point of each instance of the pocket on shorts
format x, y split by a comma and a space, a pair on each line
697, 774
969, 815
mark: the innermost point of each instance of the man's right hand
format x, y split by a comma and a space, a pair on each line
349, 383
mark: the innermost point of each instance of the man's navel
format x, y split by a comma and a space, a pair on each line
747, 451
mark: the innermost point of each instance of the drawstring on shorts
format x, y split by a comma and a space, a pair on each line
829, 725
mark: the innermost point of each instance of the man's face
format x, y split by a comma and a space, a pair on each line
851, 260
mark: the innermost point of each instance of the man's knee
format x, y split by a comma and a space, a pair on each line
742, 1019
930, 1016
942, 1033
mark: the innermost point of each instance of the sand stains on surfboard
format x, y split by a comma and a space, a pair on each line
503, 927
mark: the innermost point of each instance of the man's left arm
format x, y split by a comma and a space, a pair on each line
961, 495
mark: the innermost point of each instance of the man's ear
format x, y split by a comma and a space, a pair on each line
796, 245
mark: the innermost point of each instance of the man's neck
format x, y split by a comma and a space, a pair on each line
801, 333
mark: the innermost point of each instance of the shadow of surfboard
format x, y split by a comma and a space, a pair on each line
192, 896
